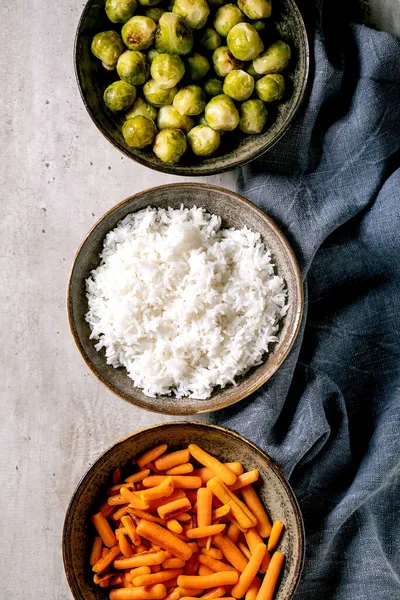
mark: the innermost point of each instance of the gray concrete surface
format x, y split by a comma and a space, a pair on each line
58, 175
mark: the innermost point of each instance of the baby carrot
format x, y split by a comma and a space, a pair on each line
184, 482
120, 513
155, 592
274, 536
134, 499
204, 504
136, 477
164, 538
217, 592
183, 469
176, 495
206, 581
104, 530
233, 533
253, 539
252, 592
204, 570
251, 570
230, 551
267, 589
173, 563
154, 578
238, 509
95, 554
114, 489
163, 490
205, 473
146, 559
208, 530
117, 499
245, 479
168, 461
124, 545
106, 510
174, 526
140, 571
130, 529
215, 565
254, 504
220, 512
151, 455
142, 514
212, 463
213, 552
244, 549
106, 560
170, 509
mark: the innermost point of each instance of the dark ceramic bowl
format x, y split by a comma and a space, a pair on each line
236, 212
236, 149
273, 488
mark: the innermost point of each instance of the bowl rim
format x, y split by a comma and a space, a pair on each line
271, 463
192, 171
291, 334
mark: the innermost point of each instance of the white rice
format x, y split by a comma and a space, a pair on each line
182, 304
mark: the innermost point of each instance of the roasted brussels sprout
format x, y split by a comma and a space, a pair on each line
170, 145
255, 9
170, 118
138, 32
197, 66
189, 100
239, 85
221, 113
173, 35
154, 13
227, 17
213, 86
157, 96
167, 70
193, 12
224, 61
139, 132
119, 96
203, 140
132, 67
244, 42
108, 46
274, 59
253, 116
142, 108
120, 11
270, 87
210, 40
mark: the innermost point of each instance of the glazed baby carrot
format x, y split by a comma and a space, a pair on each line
247, 577
146, 559
106, 560
136, 477
212, 463
220, 512
139, 571
117, 499
133, 498
252, 592
104, 530
205, 473
183, 469
174, 526
151, 455
223, 493
155, 592
164, 538
244, 550
173, 563
142, 514
213, 552
176, 495
95, 554
233, 533
214, 564
124, 545
254, 504
206, 581
120, 512
184, 482
208, 530
203, 570
154, 578
129, 525
245, 479
166, 511
253, 539
230, 551
217, 592
163, 490
167, 461
267, 589
204, 507
274, 536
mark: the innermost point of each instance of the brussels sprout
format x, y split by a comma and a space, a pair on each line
190, 100
197, 66
167, 70
157, 96
221, 113
210, 40
213, 87
150, 3
132, 67
142, 108
227, 17
244, 42
170, 145
139, 132
154, 13
119, 96
120, 11
255, 9
193, 12
239, 85
170, 118
259, 25
138, 32
274, 59
203, 140
173, 35
107, 46
202, 120
253, 116
251, 71
152, 54
270, 87
224, 61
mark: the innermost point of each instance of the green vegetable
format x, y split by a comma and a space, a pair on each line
170, 118
132, 67
270, 87
170, 145
244, 42
224, 61
189, 100
210, 40
142, 108
239, 85
193, 12
203, 140
227, 17
120, 11
139, 132
157, 96
155, 13
255, 9
274, 59
107, 46
197, 66
138, 32
251, 71
221, 113
259, 25
149, 2
152, 54
213, 87
119, 96
173, 35
167, 70
253, 116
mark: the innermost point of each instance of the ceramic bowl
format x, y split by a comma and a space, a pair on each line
236, 149
274, 490
236, 212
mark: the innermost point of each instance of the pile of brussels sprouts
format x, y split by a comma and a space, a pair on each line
202, 69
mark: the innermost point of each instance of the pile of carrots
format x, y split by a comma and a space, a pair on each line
175, 533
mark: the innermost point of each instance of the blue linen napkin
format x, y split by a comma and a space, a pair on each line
330, 417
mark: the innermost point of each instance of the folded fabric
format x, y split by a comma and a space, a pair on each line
331, 415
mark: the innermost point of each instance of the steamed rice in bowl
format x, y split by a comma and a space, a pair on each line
182, 304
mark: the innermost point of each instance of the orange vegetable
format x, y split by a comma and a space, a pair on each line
227, 476
155, 592
267, 589
120, 512
206, 581
204, 505
139, 571
206, 474
184, 482
252, 592
237, 508
220, 512
124, 545
217, 592
247, 577
174, 526
173, 563
254, 504
166, 511
208, 530
104, 530
167, 461
164, 538
154, 578
215, 565
151, 455
233, 533
142, 514
275, 535
146, 559
130, 529
213, 552
95, 554
134, 499
245, 479
245, 551
230, 551
180, 469
106, 560
136, 477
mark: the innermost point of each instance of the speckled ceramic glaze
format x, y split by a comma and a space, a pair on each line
235, 212
228, 446
236, 149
